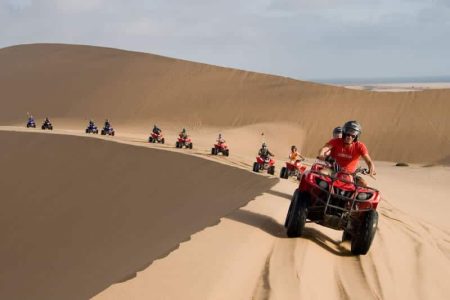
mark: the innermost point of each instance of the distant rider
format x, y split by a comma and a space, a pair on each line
156, 130
30, 119
91, 124
347, 150
107, 124
295, 156
183, 134
220, 140
264, 152
47, 121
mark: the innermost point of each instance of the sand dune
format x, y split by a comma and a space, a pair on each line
136, 89
80, 214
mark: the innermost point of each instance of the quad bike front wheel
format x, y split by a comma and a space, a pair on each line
296, 217
283, 173
271, 170
363, 238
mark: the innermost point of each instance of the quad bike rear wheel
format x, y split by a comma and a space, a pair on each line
297, 213
226, 152
271, 170
255, 167
363, 238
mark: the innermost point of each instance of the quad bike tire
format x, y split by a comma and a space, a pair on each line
113, 133
297, 214
162, 141
226, 152
362, 239
290, 209
103, 132
271, 170
346, 236
255, 167
177, 145
190, 146
87, 130
150, 140
283, 173
213, 151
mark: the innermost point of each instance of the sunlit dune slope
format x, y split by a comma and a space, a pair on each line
77, 82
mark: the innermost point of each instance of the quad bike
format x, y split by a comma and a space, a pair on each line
220, 148
47, 125
31, 123
107, 131
92, 129
184, 142
332, 198
292, 169
156, 138
264, 163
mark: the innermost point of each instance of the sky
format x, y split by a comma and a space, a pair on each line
302, 39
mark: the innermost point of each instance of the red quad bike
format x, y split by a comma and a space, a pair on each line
292, 169
184, 142
332, 199
262, 163
156, 138
220, 148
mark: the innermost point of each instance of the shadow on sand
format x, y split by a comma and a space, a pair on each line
274, 228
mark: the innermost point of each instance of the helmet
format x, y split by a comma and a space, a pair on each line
220, 135
353, 126
293, 148
184, 130
337, 130
264, 145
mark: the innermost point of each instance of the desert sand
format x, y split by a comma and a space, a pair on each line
118, 218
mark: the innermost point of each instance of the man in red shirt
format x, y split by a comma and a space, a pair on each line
347, 150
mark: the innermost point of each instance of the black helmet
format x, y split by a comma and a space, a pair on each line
352, 126
293, 147
337, 130
264, 145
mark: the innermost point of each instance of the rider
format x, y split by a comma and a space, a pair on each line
30, 119
91, 124
156, 129
47, 121
295, 156
347, 150
220, 140
264, 152
337, 132
183, 134
107, 124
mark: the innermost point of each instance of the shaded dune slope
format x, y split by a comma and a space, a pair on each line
80, 214
79, 82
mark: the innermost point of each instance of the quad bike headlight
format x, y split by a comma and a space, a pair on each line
364, 196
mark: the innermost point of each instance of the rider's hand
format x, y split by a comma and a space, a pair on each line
372, 171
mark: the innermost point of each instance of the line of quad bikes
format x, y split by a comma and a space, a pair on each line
325, 195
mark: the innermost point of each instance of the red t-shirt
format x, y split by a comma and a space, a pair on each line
347, 156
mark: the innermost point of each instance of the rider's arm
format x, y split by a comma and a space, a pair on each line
324, 150
300, 156
370, 164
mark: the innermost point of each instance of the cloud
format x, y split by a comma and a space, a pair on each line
296, 38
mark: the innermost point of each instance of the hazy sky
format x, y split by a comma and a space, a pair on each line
304, 39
